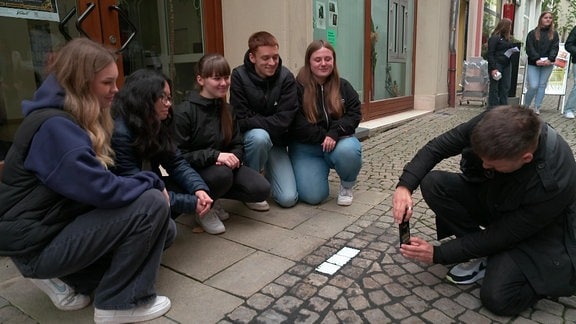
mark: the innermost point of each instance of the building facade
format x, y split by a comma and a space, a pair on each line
376, 42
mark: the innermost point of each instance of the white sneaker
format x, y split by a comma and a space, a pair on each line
537, 110
258, 206
154, 309
210, 222
569, 115
345, 196
468, 272
63, 296
220, 211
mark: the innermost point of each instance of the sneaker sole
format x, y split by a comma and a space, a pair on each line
214, 232
472, 280
163, 309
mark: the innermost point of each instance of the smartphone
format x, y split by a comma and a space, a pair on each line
404, 229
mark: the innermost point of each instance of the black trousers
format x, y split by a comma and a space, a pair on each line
461, 208
243, 184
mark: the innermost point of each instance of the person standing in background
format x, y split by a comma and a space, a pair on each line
498, 56
542, 45
570, 46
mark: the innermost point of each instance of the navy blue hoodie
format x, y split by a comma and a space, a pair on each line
62, 158
57, 178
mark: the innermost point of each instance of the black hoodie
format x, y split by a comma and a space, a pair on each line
268, 103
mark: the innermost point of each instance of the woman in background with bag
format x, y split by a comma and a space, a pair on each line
499, 51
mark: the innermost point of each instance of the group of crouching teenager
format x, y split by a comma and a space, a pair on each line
96, 176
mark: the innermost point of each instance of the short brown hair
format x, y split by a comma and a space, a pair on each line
261, 38
506, 132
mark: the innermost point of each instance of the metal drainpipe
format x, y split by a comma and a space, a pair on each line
452, 54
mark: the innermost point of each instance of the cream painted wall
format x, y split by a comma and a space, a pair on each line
289, 21
431, 72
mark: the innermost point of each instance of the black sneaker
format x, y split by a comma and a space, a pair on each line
468, 272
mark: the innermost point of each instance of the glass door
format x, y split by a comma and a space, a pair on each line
167, 35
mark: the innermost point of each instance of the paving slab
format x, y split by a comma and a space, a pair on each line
282, 217
194, 302
251, 274
201, 255
272, 239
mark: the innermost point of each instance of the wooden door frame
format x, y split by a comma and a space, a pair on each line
213, 28
385, 107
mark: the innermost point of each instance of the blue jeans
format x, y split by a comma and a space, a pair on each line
537, 80
570, 104
114, 252
262, 155
312, 166
498, 92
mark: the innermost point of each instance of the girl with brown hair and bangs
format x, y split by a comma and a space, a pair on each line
210, 139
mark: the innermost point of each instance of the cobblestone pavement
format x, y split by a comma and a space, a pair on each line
379, 285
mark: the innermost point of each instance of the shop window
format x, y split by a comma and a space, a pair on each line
397, 31
384, 51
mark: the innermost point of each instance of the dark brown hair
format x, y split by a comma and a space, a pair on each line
504, 28
215, 65
506, 132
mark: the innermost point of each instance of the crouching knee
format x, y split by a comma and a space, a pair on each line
502, 305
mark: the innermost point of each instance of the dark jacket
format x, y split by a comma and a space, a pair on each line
128, 162
51, 175
268, 103
545, 47
570, 44
533, 210
497, 46
304, 132
199, 134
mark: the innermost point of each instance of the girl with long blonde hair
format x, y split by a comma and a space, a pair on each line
68, 223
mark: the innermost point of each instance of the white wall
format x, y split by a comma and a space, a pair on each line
289, 21
432, 40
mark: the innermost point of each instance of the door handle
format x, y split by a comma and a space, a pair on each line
63, 23
124, 16
80, 20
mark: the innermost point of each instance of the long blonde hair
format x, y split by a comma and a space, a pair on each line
75, 67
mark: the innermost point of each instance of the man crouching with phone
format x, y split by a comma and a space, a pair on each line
512, 209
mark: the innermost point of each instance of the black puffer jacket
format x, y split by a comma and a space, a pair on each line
199, 134
268, 103
544, 47
304, 132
